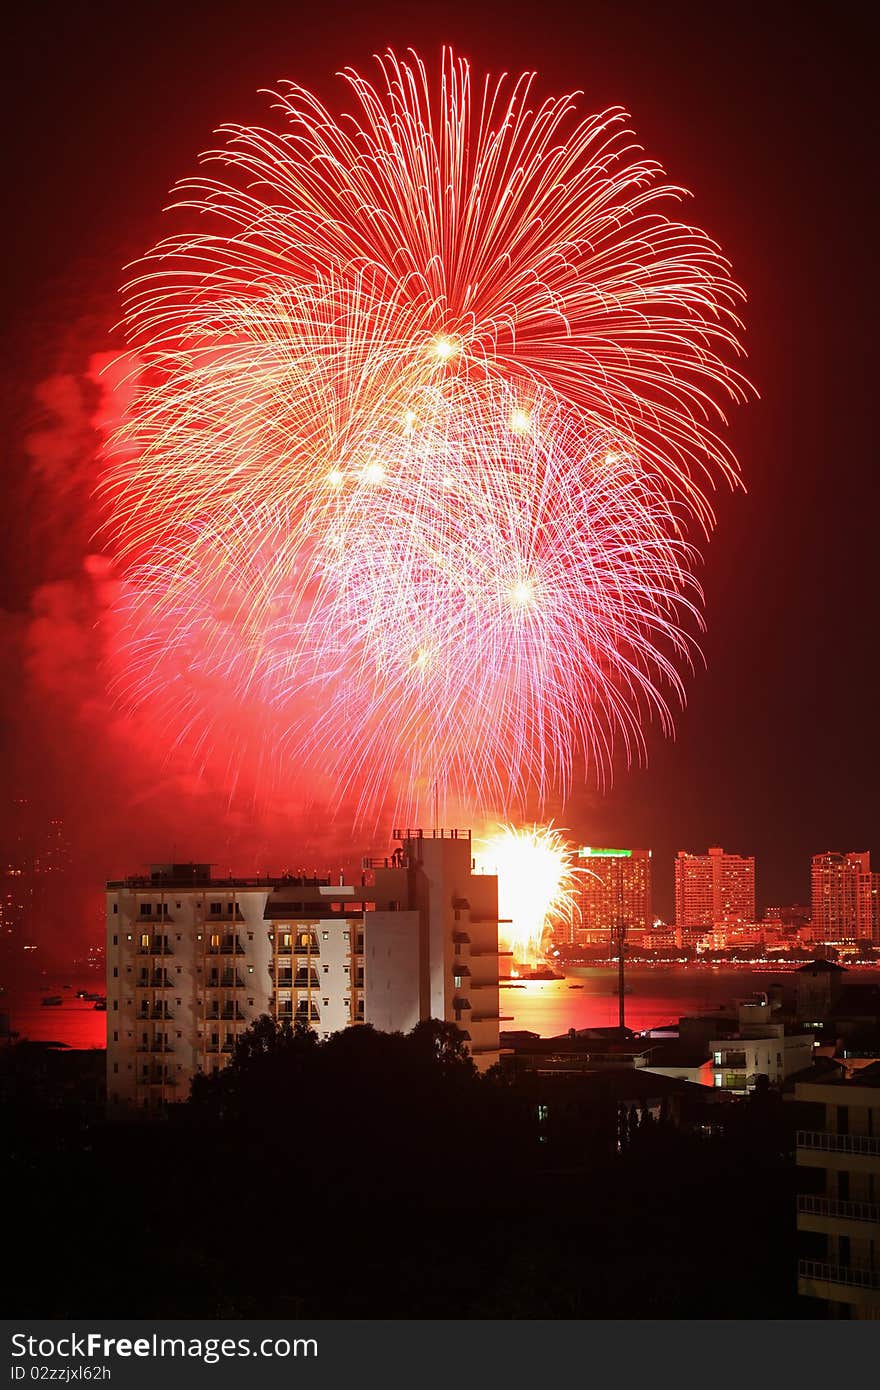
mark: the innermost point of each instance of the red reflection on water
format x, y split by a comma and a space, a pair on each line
75, 1022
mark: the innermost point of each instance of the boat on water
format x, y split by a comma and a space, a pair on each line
101, 1004
541, 972
575, 986
51, 1001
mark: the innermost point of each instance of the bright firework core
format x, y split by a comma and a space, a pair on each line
422, 407
537, 880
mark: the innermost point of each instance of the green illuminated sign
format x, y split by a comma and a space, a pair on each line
585, 852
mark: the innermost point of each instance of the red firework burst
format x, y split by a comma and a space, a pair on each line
420, 420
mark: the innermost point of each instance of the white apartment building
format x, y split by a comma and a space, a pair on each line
760, 1047
432, 940
193, 960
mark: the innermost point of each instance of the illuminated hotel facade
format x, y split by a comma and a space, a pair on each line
846, 897
714, 889
192, 960
614, 886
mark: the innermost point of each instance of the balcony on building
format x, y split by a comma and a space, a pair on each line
154, 946
224, 946
855, 1152
151, 1011
836, 1216
227, 979
227, 1012
836, 1283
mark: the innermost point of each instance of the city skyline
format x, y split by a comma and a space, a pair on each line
841, 901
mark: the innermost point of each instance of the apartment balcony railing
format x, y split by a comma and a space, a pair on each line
853, 1276
838, 1143
227, 1046
156, 948
809, 1205
225, 982
226, 1016
159, 980
226, 948
146, 1015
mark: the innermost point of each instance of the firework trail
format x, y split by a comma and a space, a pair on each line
422, 414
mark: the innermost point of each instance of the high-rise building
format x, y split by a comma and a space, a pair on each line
714, 889
614, 886
846, 897
193, 960
432, 940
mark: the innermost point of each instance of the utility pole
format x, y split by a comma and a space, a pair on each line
620, 942
619, 935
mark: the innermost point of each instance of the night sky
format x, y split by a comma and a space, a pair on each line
764, 112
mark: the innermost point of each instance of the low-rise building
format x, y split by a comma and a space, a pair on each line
759, 1047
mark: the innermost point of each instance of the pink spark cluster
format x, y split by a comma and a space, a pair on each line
422, 412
